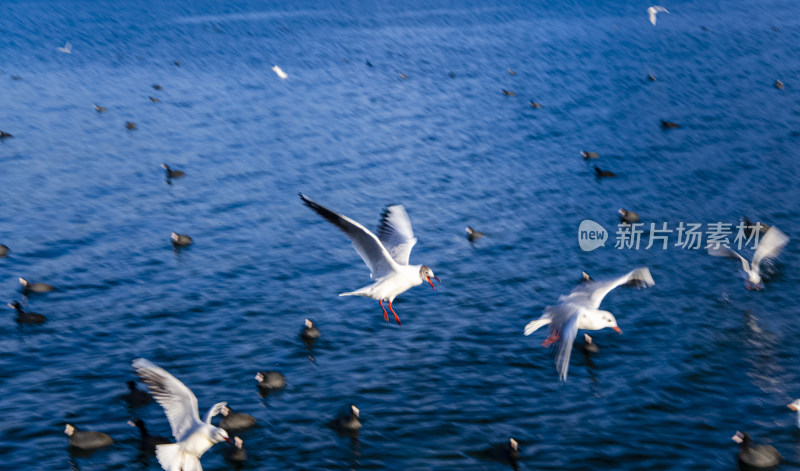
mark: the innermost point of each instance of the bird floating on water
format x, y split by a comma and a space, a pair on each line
347, 423
600, 173
172, 173
192, 437
4, 135
627, 217
756, 456
270, 380
579, 310
508, 92
25, 317
234, 422
86, 439
589, 155
386, 255
669, 125
769, 246
181, 240
100, 109
653, 10
310, 332
28, 287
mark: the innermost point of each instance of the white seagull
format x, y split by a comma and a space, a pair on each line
280, 72
653, 10
579, 310
192, 437
795, 406
386, 255
67, 49
768, 247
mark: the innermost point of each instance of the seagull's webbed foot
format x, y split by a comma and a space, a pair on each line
395, 314
553, 338
385, 314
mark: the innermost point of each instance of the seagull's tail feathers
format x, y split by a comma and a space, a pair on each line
533, 326
172, 458
359, 292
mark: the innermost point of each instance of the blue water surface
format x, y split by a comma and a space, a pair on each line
84, 206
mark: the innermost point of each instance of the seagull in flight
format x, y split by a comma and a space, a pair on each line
67, 49
280, 72
653, 10
579, 310
769, 247
386, 254
192, 437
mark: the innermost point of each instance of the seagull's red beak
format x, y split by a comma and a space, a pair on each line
617, 330
431, 282
792, 406
228, 440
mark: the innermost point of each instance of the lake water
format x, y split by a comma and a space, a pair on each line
85, 207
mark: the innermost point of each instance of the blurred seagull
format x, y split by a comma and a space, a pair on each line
769, 247
280, 72
386, 255
653, 10
67, 49
192, 437
579, 310
795, 406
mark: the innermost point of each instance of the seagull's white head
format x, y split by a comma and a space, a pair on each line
425, 274
603, 319
753, 282
218, 435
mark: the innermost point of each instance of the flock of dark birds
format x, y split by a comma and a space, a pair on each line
386, 255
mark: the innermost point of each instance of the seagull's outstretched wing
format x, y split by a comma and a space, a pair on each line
178, 401
395, 233
653, 10
367, 245
565, 320
730, 253
591, 293
534, 325
769, 246
216, 409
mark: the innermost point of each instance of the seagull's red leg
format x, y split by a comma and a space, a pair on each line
554, 336
385, 314
395, 314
